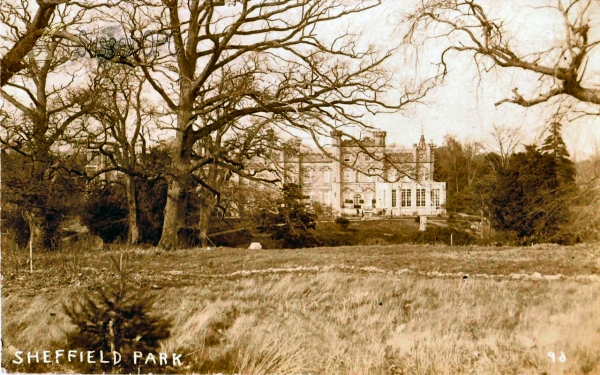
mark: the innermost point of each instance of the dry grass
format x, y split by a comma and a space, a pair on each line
350, 322
54, 271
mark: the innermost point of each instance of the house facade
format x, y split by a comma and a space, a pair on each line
366, 177
354, 177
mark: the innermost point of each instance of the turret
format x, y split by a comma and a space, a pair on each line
422, 145
379, 138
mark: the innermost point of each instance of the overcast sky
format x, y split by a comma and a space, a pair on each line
464, 105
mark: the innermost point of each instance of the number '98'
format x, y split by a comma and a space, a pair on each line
562, 358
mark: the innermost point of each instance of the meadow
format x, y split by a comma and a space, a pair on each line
398, 309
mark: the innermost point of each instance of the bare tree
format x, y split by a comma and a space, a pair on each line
566, 69
28, 27
123, 117
472, 152
274, 62
505, 142
12, 61
43, 115
586, 218
234, 151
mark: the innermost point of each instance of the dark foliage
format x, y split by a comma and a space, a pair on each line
14, 223
45, 192
235, 239
529, 199
152, 198
106, 212
564, 169
343, 222
192, 212
117, 318
294, 221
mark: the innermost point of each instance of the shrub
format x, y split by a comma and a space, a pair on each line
106, 212
14, 223
322, 210
293, 223
235, 239
566, 239
117, 318
343, 222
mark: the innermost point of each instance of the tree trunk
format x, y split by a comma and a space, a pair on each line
204, 225
206, 209
180, 150
38, 233
133, 232
174, 215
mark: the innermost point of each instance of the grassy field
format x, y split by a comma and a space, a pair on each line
396, 309
328, 233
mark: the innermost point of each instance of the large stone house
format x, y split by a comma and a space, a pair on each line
366, 177
353, 177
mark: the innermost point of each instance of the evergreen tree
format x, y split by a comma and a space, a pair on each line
117, 318
294, 220
528, 200
554, 146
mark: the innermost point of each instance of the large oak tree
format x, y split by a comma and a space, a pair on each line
276, 59
44, 113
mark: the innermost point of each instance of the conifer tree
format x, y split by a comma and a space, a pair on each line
293, 221
554, 146
118, 318
529, 200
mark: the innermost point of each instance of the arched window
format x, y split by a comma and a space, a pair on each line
357, 199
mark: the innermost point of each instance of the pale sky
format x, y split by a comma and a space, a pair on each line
464, 105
